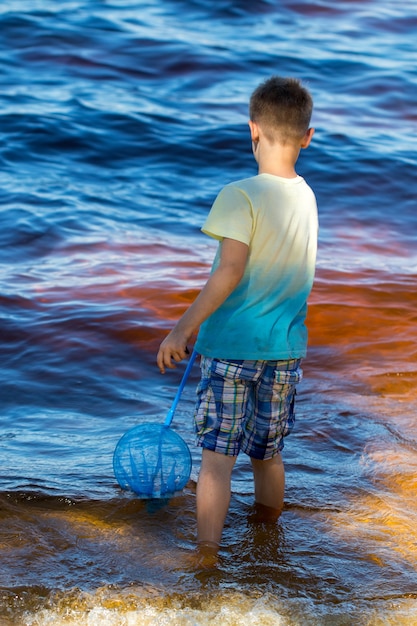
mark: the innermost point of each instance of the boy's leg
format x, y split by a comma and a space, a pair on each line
273, 420
221, 407
213, 496
269, 476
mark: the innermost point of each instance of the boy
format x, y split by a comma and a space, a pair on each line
251, 311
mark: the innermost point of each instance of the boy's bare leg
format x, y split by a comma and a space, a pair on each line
213, 497
269, 478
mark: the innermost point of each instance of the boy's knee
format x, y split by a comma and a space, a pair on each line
216, 462
265, 464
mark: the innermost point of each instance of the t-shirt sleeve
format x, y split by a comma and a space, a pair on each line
230, 216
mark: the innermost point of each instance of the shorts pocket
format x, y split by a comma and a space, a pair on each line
288, 377
205, 417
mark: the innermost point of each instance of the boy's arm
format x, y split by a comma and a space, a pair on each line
222, 282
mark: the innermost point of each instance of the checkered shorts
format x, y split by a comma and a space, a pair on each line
246, 405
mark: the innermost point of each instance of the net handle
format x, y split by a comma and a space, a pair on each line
170, 414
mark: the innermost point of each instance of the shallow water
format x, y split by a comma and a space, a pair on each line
120, 121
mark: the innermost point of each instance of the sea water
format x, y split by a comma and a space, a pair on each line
120, 122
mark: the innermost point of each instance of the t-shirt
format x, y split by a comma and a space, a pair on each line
264, 317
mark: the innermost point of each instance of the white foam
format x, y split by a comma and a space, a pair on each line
232, 609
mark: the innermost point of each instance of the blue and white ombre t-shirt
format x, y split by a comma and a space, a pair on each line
264, 317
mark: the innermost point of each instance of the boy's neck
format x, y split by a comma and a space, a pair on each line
278, 159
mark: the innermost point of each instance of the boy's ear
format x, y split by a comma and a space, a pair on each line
305, 142
254, 131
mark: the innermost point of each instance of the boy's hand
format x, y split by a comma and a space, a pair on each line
173, 348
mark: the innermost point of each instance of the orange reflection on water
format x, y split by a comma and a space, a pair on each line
133, 292
365, 325
382, 523
366, 318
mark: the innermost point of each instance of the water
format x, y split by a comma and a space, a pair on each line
120, 121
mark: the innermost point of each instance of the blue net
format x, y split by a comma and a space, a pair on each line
152, 460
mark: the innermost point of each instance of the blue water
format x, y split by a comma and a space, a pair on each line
119, 123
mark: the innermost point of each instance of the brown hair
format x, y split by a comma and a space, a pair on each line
283, 107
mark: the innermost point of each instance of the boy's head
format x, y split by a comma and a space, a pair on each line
283, 108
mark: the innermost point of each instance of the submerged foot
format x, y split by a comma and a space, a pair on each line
204, 556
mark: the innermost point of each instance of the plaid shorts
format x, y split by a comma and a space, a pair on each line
246, 405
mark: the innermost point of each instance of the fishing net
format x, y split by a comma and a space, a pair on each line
152, 460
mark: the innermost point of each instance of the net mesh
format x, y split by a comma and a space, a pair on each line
152, 460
